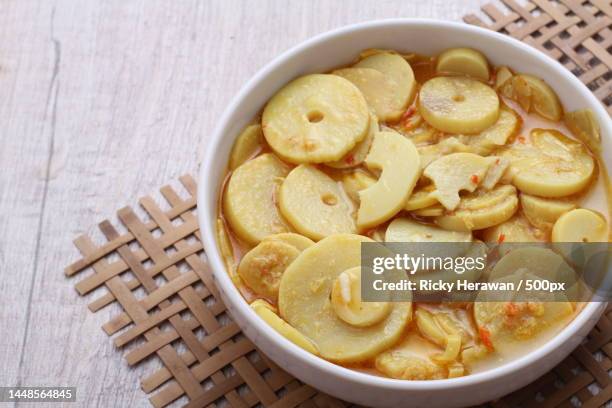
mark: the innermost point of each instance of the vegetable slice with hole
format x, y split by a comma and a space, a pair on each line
458, 104
315, 118
304, 302
357, 154
315, 204
399, 162
454, 173
580, 225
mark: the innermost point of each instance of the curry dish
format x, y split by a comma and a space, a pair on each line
407, 148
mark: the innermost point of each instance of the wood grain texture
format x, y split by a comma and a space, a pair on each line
101, 103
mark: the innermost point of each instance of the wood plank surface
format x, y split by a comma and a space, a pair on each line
100, 104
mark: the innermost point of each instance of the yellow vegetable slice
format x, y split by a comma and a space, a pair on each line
399, 72
544, 100
481, 210
358, 154
314, 203
315, 118
482, 199
262, 267
446, 146
304, 302
429, 328
543, 212
454, 173
283, 328
455, 370
463, 61
458, 104
355, 181
432, 211
404, 229
495, 173
504, 324
538, 262
298, 241
249, 199
400, 166
518, 90
534, 260
580, 225
257, 303
553, 165
533, 94
415, 128
422, 135
455, 321
516, 229
409, 360
225, 247
421, 198
584, 126
451, 352
507, 125
502, 75
347, 304
247, 145
436, 325
378, 90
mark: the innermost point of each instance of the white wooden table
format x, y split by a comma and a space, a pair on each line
101, 103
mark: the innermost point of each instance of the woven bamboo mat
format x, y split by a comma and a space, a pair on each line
574, 32
155, 270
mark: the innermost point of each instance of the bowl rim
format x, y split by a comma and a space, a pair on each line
221, 276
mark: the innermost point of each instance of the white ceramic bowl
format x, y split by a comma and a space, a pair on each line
340, 47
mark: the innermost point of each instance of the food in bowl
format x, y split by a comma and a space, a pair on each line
404, 147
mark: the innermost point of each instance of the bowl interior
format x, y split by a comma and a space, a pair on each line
341, 47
